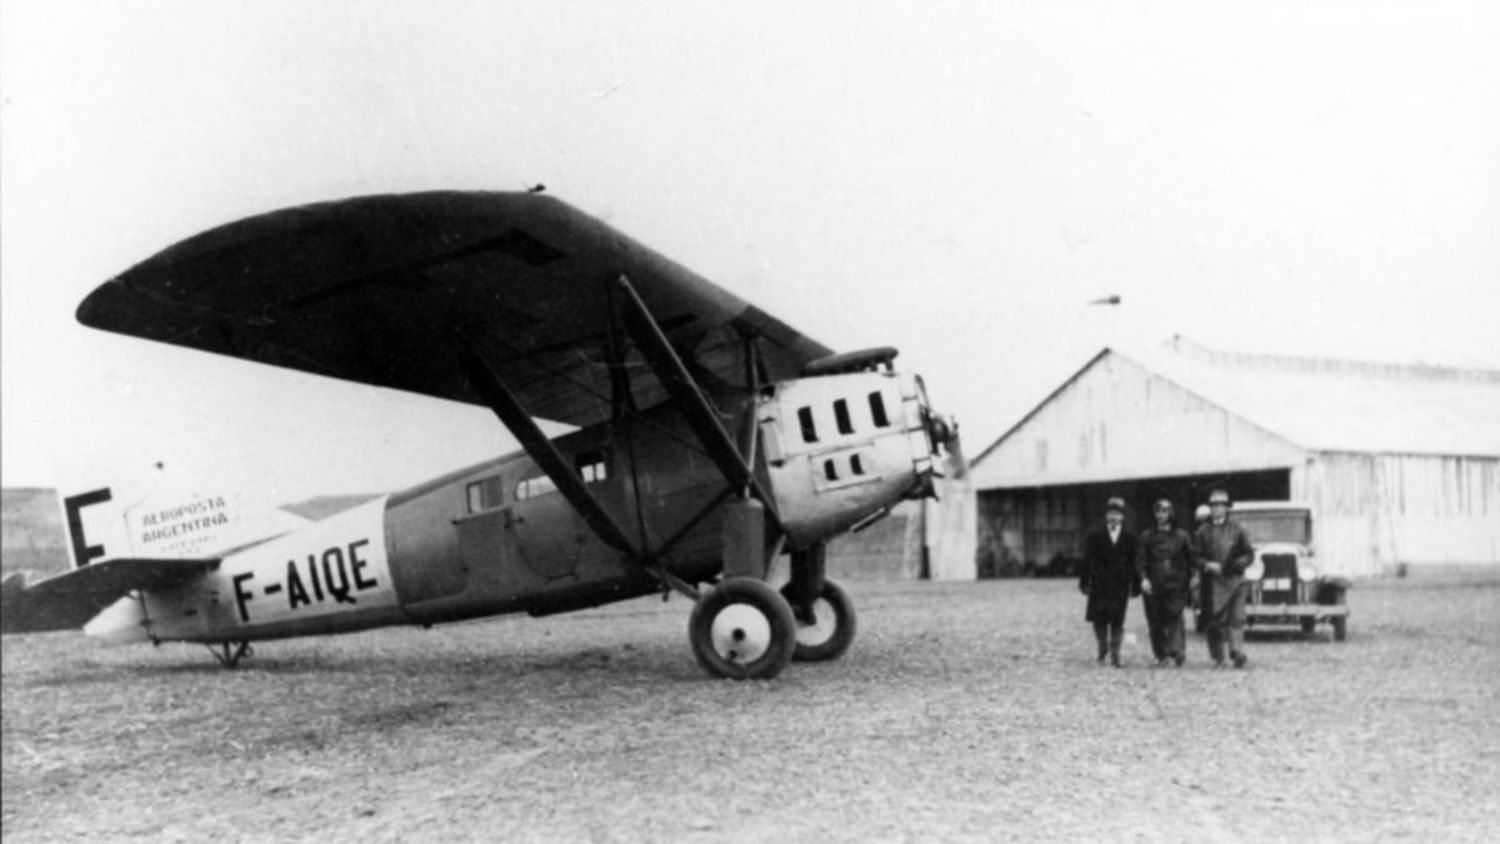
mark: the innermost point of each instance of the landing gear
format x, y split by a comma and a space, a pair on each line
230, 653
831, 629
743, 629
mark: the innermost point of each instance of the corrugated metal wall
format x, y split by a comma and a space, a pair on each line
1118, 420
1377, 511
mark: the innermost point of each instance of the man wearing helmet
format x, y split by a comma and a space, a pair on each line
1201, 597
1165, 565
1224, 551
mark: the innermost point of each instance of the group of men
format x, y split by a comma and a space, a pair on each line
1166, 565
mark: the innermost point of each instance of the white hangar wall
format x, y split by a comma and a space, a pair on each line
1173, 425
1116, 428
1116, 420
1376, 512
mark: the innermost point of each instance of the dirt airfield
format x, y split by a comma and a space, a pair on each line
965, 711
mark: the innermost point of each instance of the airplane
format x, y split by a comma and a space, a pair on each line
711, 438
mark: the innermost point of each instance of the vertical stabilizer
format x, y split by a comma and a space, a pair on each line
143, 510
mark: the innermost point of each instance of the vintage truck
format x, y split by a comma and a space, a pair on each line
1285, 586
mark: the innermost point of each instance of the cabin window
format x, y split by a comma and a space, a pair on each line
809, 429
483, 494
877, 411
855, 465
592, 466
534, 486
830, 470
841, 416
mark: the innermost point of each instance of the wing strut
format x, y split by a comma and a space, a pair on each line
515, 418
700, 414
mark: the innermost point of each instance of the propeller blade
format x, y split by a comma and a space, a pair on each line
958, 464
944, 431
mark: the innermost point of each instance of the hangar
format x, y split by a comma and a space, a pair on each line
1400, 463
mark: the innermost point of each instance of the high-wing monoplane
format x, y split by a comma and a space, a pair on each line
711, 437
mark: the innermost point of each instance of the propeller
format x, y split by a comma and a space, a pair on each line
945, 434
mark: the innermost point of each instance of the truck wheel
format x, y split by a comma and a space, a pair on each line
1339, 628
1309, 625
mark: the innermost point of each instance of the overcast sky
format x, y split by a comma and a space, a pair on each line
954, 179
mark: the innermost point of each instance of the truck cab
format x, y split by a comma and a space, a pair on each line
1286, 587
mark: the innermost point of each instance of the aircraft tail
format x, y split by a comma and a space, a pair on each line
150, 514
139, 530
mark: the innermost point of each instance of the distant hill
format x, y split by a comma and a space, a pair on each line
31, 530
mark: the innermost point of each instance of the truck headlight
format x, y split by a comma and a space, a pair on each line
1306, 571
1256, 570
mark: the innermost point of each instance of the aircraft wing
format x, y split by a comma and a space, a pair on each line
67, 601
379, 289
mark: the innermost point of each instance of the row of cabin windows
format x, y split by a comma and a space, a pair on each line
487, 493
841, 417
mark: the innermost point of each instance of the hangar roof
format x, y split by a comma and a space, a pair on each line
1332, 405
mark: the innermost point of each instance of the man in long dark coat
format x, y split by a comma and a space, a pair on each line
1224, 552
1109, 579
1166, 566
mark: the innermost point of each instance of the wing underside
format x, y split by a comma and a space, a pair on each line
386, 290
67, 601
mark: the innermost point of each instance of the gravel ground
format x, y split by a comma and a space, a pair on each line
964, 712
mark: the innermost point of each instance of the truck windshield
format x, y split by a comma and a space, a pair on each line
1275, 526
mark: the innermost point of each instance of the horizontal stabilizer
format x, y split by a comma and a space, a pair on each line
67, 601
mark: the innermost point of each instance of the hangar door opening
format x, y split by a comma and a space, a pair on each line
1038, 530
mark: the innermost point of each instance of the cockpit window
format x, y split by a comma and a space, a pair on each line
534, 486
592, 466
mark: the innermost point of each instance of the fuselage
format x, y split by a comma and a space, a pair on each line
498, 537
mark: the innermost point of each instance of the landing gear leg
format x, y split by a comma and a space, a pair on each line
806, 585
230, 653
824, 612
831, 631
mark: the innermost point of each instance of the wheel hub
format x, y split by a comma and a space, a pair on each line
741, 634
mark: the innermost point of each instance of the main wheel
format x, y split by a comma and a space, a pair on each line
1340, 628
832, 631
742, 629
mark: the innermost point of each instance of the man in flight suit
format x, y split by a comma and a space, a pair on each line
1166, 565
1224, 552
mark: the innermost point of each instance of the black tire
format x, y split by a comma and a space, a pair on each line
1340, 628
1309, 625
742, 629
823, 642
